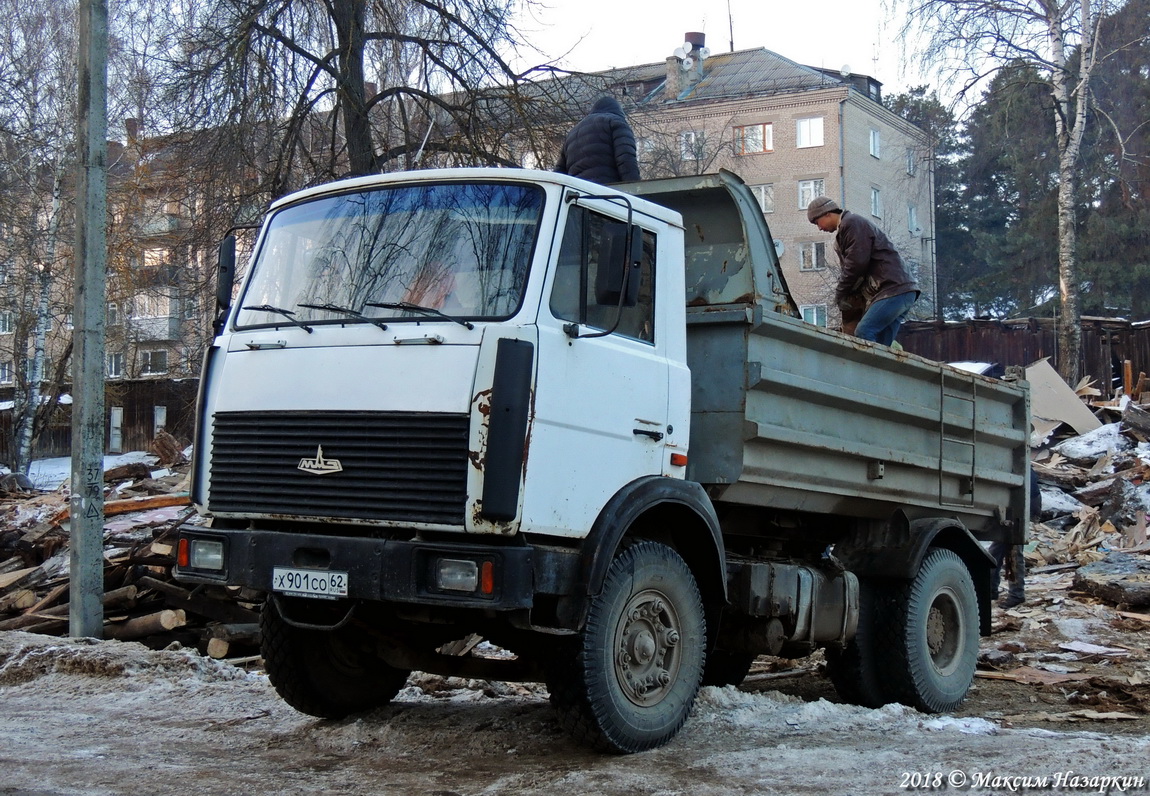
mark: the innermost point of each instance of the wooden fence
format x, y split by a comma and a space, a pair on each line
1107, 343
133, 411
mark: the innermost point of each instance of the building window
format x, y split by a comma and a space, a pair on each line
765, 194
875, 144
809, 132
815, 314
3, 274
691, 145
6, 372
912, 220
153, 363
876, 202
911, 162
753, 139
113, 314
810, 190
7, 323
115, 365
812, 256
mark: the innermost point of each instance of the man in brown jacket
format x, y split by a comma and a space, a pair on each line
871, 266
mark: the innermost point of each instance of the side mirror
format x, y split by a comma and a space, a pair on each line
225, 275
620, 257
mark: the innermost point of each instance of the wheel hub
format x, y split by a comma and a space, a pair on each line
945, 631
646, 648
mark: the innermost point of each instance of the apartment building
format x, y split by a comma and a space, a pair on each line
792, 132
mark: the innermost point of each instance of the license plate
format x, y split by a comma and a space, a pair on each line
309, 582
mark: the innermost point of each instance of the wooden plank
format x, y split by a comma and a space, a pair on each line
113, 507
12, 578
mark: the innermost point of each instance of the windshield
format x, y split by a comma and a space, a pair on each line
461, 249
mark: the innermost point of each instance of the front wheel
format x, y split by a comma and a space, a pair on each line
634, 674
933, 665
328, 674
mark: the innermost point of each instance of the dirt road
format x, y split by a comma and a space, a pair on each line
112, 718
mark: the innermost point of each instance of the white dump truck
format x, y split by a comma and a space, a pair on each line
582, 423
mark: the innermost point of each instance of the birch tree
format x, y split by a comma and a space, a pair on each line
1059, 39
37, 100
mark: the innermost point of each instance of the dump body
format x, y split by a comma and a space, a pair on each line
792, 416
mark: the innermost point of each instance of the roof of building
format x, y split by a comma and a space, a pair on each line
727, 76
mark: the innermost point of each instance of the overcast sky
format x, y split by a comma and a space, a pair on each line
590, 35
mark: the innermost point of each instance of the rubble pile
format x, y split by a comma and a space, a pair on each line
1081, 639
144, 505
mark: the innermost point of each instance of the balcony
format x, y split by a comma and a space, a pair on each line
155, 329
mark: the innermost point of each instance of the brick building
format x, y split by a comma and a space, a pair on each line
792, 132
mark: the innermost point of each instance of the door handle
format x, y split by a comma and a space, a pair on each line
645, 432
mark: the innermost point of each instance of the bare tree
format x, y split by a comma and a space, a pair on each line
314, 90
37, 88
1058, 39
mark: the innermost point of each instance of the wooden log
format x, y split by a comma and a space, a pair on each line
217, 610
149, 625
236, 631
19, 600
218, 648
115, 600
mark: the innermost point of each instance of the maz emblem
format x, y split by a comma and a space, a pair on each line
320, 465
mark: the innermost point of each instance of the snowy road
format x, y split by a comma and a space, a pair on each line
90, 719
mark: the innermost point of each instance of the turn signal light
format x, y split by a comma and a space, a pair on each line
679, 459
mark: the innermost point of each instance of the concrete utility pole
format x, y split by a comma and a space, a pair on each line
86, 611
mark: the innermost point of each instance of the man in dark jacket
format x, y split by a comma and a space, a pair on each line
601, 147
871, 266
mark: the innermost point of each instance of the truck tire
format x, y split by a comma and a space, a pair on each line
931, 667
856, 671
328, 674
629, 681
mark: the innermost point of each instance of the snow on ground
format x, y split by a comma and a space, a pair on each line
50, 474
1095, 444
91, 718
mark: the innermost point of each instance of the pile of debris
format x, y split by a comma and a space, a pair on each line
1082, 637
145, 502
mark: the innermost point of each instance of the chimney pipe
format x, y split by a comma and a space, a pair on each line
696, 40
132, 126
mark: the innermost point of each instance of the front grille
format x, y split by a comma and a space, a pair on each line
402, 466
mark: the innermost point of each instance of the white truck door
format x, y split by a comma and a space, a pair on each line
600, 417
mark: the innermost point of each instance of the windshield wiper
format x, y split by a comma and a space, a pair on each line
404, 305
346, 311
279, 311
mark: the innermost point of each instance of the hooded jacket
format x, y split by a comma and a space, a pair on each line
601, 147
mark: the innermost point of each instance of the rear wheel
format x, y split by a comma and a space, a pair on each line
856, 670
329, 674
630, 681
932, 666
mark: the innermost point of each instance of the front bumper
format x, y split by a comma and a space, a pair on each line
385, 570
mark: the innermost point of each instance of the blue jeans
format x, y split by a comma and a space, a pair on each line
884, 318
